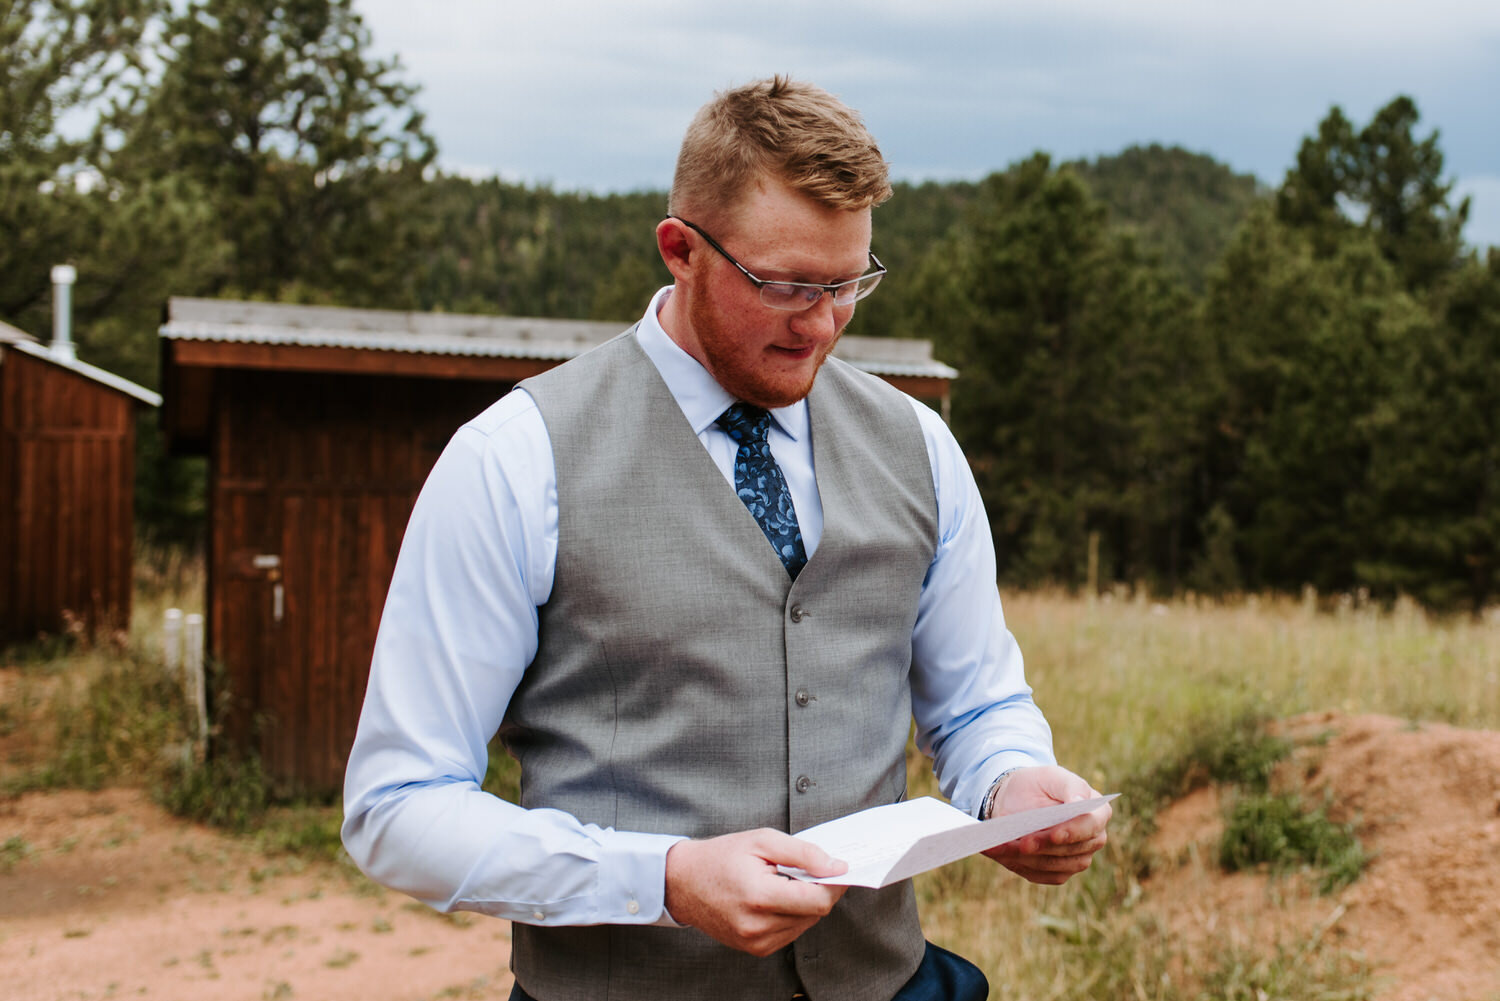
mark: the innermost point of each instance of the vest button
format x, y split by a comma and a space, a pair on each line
797, 613
803, 783
803, 698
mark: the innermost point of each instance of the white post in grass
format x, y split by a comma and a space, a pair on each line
171, 641
193, 642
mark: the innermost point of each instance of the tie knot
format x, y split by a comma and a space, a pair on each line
745, 423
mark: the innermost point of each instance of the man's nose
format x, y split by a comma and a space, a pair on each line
818, 320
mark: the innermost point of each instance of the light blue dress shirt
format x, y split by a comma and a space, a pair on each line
460, 629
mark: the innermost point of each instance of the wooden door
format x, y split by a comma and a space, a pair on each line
320, 483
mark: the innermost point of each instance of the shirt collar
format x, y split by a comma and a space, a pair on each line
701, 398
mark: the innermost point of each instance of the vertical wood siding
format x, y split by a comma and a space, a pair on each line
320, 471
67, 467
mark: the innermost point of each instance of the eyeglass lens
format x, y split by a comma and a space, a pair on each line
786, 295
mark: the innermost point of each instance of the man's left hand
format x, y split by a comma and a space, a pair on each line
1053, 855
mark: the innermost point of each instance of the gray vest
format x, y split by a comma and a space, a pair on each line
684, 684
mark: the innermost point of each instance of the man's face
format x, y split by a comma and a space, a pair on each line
769, 357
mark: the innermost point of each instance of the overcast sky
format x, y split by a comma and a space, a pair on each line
595, 94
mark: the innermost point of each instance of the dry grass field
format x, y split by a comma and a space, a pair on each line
1343, 760
1191, 708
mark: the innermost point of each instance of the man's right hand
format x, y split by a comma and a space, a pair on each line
729, 888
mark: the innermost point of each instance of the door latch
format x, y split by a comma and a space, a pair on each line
271, 563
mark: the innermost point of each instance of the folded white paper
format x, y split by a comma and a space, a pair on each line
886, 844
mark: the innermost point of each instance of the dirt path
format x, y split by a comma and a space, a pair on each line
102, 895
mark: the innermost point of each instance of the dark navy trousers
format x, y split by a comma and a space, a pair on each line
943, 976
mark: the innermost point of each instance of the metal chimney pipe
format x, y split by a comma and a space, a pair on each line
63, 277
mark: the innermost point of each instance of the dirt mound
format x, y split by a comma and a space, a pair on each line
104, 895
1424, 916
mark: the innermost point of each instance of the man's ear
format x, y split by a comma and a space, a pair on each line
676, 249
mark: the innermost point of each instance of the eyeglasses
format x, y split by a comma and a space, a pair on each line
798, 296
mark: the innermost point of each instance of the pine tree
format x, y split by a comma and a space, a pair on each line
1306, 346
132, 235
1435, 476
1073, 352
1384, 180
310, 152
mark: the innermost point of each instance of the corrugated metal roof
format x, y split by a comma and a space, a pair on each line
455, 334
893, 356
25, 343
14, 335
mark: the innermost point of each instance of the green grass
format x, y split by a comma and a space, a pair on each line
1304, 971
12, 851
1277, 830
502, 776
105, 716
302, 830
117, 716
228, 792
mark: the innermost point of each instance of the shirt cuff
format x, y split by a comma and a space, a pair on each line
633, 878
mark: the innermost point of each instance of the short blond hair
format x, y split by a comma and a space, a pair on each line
781, 128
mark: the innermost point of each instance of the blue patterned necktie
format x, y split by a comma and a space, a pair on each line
758, 481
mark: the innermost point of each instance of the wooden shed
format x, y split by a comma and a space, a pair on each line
67, 483
320, 425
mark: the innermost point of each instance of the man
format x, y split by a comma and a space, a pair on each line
587, 571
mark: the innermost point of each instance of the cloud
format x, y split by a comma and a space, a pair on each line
589, 93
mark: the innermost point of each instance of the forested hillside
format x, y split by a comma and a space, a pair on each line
1181, 206
1168, 369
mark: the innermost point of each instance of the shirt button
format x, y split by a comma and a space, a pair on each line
802, 697
803, 783
797, 613
538, 915
633, 907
